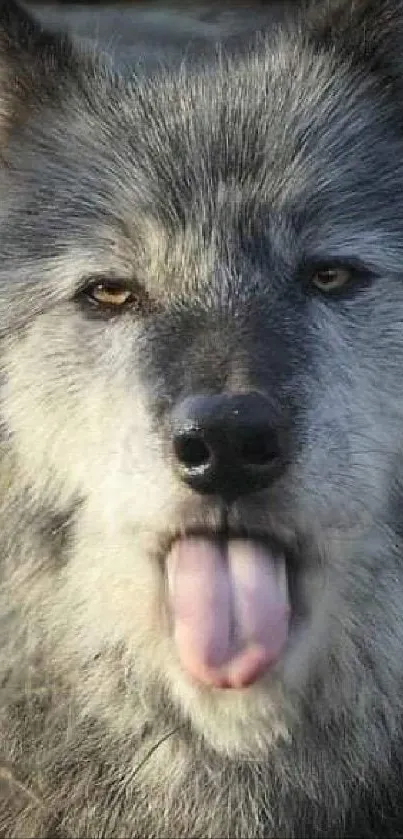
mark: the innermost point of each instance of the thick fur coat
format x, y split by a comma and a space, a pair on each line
212, 199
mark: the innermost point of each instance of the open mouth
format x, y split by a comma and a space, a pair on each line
230, 598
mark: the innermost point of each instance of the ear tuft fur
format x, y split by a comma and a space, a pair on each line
33, 63
368, 33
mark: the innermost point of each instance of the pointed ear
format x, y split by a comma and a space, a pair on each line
366, 33
33, 63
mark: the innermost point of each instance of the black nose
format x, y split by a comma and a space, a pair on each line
226, 444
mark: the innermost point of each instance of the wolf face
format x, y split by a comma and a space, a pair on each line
201, 308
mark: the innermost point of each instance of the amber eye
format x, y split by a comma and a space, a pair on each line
108, 294
331, 279
106, 298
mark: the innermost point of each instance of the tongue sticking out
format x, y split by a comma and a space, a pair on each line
230, 609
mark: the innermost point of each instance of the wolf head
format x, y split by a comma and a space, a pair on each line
201, 308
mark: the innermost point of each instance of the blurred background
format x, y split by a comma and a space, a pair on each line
150, 31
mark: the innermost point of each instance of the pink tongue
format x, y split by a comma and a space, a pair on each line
230, 610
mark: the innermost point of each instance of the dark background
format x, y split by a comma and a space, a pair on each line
148, 32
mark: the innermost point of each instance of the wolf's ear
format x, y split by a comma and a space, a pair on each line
368, 33
33, 64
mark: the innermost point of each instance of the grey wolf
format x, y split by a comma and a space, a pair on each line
201, 456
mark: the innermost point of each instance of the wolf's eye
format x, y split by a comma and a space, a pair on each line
331, 279
108, 297
108, 294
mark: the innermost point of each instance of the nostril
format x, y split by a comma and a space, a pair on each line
227, 444
258, 449
191, 451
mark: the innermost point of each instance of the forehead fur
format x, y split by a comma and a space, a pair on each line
265, 146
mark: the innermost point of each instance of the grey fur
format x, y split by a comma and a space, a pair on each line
208, 191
